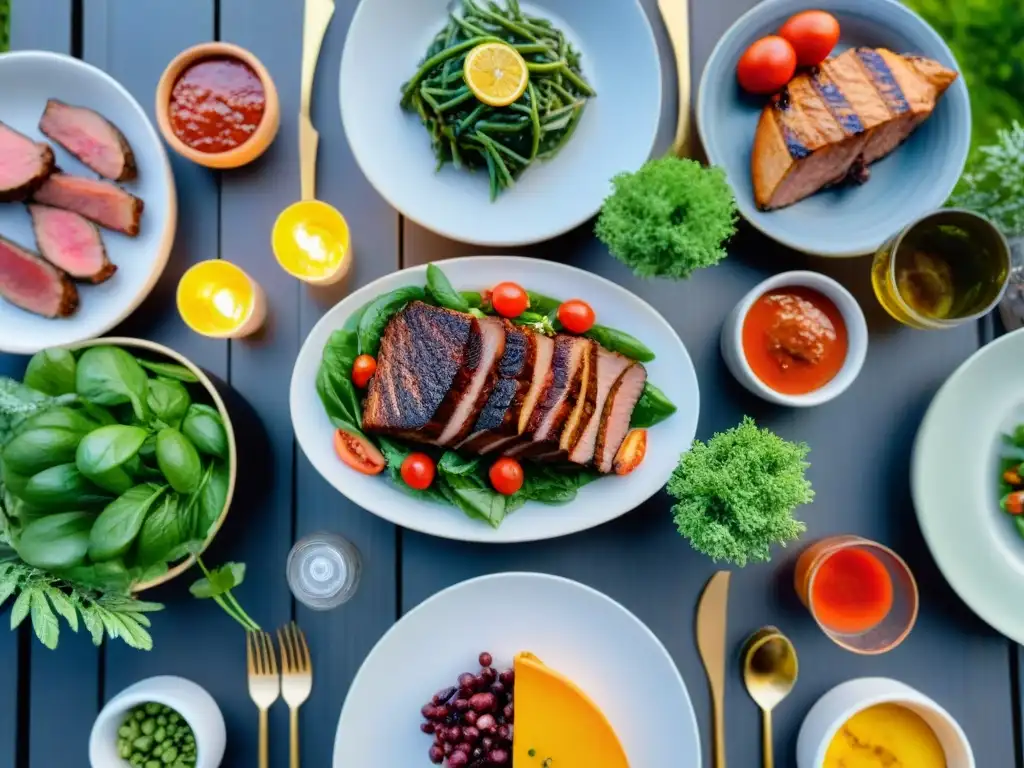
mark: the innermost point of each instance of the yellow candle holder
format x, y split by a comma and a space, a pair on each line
311, 242
218, 299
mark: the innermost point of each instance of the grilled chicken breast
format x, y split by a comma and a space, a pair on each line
830, 124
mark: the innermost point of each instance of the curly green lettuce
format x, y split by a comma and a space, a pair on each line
736, 494
669, 218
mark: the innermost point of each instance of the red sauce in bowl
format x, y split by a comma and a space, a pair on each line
794, 340
852, 592
217, 104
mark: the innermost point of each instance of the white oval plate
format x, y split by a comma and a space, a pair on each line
386, 41
574, 629
954, 482
27, 80
600, 501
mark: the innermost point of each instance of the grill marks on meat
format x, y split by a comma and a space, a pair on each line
100, 201
488, 348
617, 412
72, 243
91, 138
24, 164
524, 404
421, 356
500, 415
855, 109
610, 367
29, 282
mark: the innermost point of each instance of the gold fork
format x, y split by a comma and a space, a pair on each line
296, 678
264, 682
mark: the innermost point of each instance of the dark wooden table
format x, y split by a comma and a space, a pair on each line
860, 443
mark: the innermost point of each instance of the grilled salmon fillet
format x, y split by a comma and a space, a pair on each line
831, 123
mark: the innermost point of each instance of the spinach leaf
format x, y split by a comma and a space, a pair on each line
178, 460
441, 289
212, 500
541, 304
170, 370
62, 488
220, 580
550, 485
60, 417
56, 541
108, 448
452, 463
379, 312
621, 342
204, 427
652, 407
110, 376
34, 450
120, 522
394, 454
51, 372
168, 400
473, 299
468, 494
334, 380
160, 533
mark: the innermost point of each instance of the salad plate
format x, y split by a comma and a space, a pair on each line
955, 481
591, 640
595, 502
28, 80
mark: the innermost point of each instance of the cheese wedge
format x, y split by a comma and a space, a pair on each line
557, 722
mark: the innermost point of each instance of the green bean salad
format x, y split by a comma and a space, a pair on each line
155, 736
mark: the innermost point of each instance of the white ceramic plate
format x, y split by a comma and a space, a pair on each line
27, 80
954, 480
583, 634
386, 41
600, 501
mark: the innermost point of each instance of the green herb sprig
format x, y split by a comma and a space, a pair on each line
994, 186
736, 493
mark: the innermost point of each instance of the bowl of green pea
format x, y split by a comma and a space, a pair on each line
160, 722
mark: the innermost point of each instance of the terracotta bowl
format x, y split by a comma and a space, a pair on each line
265, 132
159, 350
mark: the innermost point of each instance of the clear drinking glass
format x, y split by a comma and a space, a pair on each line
853, 553
324, 570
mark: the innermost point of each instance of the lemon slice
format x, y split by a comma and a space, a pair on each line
496, 73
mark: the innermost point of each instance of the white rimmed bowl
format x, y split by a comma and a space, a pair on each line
856, 331
837, 706
188, 699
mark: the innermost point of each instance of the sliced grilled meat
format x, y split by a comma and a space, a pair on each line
524, 404
91, 138
610, 366
71, 242
24, 164
31, 283
583, 400
421, 357
481, 365
618, 410
100, 201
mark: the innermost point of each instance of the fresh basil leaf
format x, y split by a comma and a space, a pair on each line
212, 500
56, 541
109, 577
103, 452
160, 533
334, 380
541, 304
474, 500
443, 292
60, 417
452, 463
120, 522
62, 488
220, 580
178, 460
168, 401
34, 450
652, 407
204, 427
110, 376
170, 370
183, 550
97, 413
379, 312
144, 575
51, 371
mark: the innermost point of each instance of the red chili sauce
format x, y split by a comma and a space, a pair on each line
217, 104
794, 340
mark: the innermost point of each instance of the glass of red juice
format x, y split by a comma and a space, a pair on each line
861, 593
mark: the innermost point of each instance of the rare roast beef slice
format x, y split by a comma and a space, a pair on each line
100, 201
91, 138
618, 410
24, 164
33, 284
71, 242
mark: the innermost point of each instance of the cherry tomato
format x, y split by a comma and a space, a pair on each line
576, 316
631, 453
767, 65
506, 476
358, 452
509, 299
1013, 502
813, 35
362, 370
418, 471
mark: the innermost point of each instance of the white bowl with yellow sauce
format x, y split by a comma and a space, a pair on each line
876, 719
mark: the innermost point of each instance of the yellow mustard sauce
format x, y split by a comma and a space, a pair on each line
885, 736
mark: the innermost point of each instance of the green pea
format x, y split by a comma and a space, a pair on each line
170, 756
139, 715
152, 708
124, 749
160, 734
174, 717
124, 731
158, 750
148, 727
143, 743
137, 760
153, 764
161, 720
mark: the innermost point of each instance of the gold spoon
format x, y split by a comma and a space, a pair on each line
769, 672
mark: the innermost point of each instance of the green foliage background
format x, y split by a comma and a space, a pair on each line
5, 24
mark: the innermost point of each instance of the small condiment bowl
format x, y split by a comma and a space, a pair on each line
261, 138
311, 241
856, 331
192, 702
836, 707
195, 298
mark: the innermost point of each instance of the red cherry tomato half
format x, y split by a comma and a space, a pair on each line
767, 65
506, 476
509, 299
358, 452
418, 471
813, 35
362, 370
576, 316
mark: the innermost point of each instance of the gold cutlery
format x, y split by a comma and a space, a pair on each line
769, 673
712, 612
318, 16
676, 15
264, 682
296, 678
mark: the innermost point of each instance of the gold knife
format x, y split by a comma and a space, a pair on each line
712, 612
318, 16
676, 15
